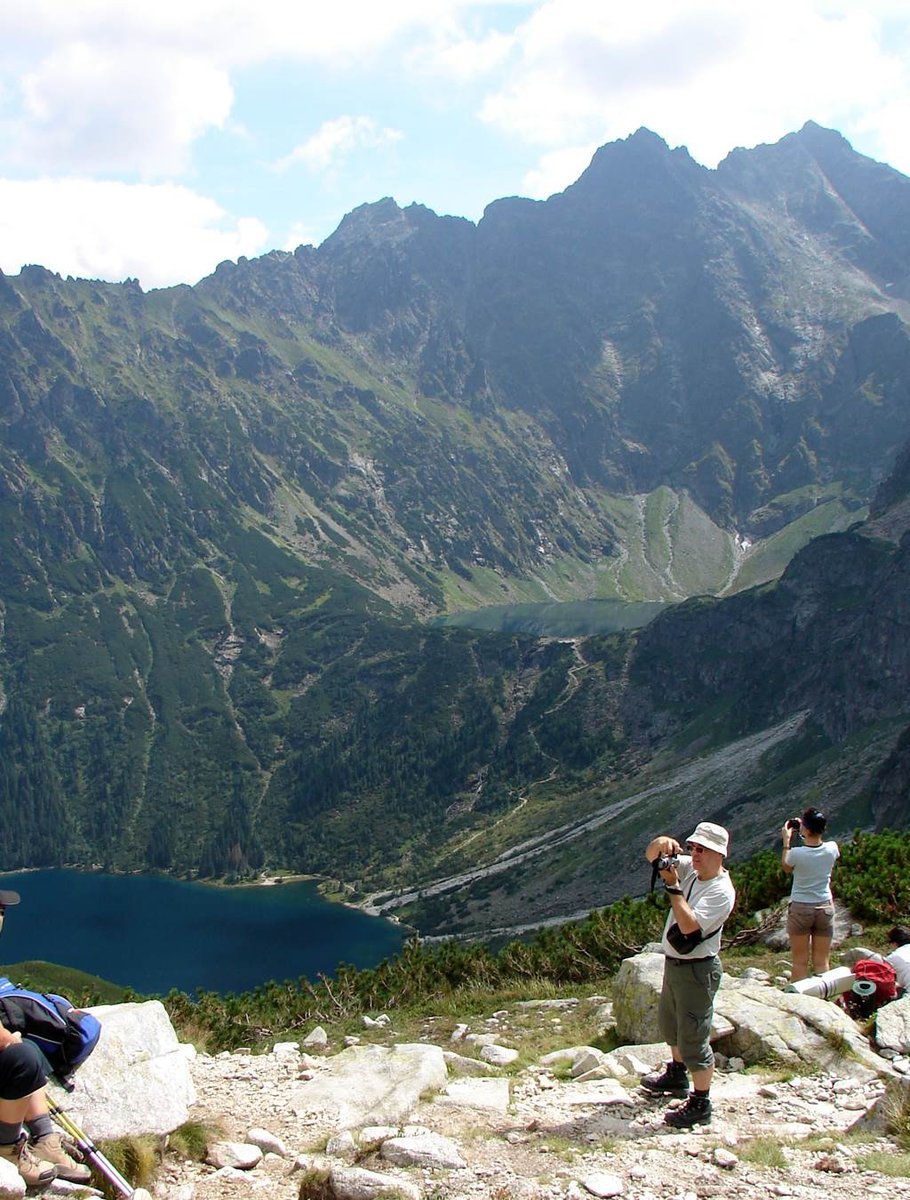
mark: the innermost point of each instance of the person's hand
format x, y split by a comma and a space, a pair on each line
7, 1038
670, 877
786, 835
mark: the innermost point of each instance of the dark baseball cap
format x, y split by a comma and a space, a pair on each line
8, 898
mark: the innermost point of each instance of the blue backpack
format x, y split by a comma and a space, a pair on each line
64, 1034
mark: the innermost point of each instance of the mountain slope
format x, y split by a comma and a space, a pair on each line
224, 511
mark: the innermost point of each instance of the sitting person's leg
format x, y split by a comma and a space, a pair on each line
22, 1077
48, 1143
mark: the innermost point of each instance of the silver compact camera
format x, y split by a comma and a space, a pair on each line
666, 861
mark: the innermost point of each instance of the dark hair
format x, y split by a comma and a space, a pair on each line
899, 935
814, 820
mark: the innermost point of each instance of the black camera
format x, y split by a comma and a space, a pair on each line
793, 823
666, 861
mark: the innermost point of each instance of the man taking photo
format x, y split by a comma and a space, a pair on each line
701, 898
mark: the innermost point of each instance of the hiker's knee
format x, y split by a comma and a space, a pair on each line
22, 1070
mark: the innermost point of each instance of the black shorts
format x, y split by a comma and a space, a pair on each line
22, 1070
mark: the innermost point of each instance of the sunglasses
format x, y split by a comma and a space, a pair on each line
695, 849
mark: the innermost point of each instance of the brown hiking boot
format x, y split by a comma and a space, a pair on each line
53, 1149
36, 1172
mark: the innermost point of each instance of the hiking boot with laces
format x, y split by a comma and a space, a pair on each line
696, 1111
53, 1149
674, 1081
35, 1171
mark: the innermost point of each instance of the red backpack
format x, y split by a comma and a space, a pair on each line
882, 975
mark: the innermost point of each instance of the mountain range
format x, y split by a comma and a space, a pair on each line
238, 522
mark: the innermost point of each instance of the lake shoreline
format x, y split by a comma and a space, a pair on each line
153, 933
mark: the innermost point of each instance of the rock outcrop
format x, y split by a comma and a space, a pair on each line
137, 1080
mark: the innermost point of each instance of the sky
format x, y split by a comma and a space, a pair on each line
152, 139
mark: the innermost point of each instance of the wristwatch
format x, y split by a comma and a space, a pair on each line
674, 891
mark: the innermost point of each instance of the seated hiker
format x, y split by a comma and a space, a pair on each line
899, 958
40, 1154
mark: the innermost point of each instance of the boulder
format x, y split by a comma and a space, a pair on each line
241, 1156
12, 1185
136, 1081
354, 1183
370, 1085
892, 1025
793, 1029
461, 1064
752, 1020
498, 1056
428, 1150
490, 1094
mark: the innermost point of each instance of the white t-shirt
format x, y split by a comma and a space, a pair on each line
711, 900
900, 960
812, 867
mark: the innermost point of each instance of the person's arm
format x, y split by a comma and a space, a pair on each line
663, 846
852, 956
786, 835
683, 915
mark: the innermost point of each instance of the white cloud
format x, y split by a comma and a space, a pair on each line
161, 234
300, 233
234, 32
556, 170
87, 110
462, 58
704, 73
335, 140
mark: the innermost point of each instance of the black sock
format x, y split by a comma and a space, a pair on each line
41, 1125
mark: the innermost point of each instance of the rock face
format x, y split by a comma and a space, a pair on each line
371, 1085
137, 1080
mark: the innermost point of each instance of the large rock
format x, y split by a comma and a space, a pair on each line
431, 1151
484, 1094
355, 1183
137, 1080
792, 1028
892, 1026
370, 1085
12, 1185
752, 1020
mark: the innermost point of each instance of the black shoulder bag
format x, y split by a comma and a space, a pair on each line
685, 943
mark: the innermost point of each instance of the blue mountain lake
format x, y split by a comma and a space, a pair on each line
152, 933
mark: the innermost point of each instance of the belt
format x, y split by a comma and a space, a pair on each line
681, 962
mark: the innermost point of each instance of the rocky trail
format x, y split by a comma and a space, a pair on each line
479, 1112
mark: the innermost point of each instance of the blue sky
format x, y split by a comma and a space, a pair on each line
155, 138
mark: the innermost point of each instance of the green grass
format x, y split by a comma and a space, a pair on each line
885, 1162
768, 558
78, 986
762, 1152
191, 1140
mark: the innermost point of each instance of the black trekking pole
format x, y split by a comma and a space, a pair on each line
87, 1147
